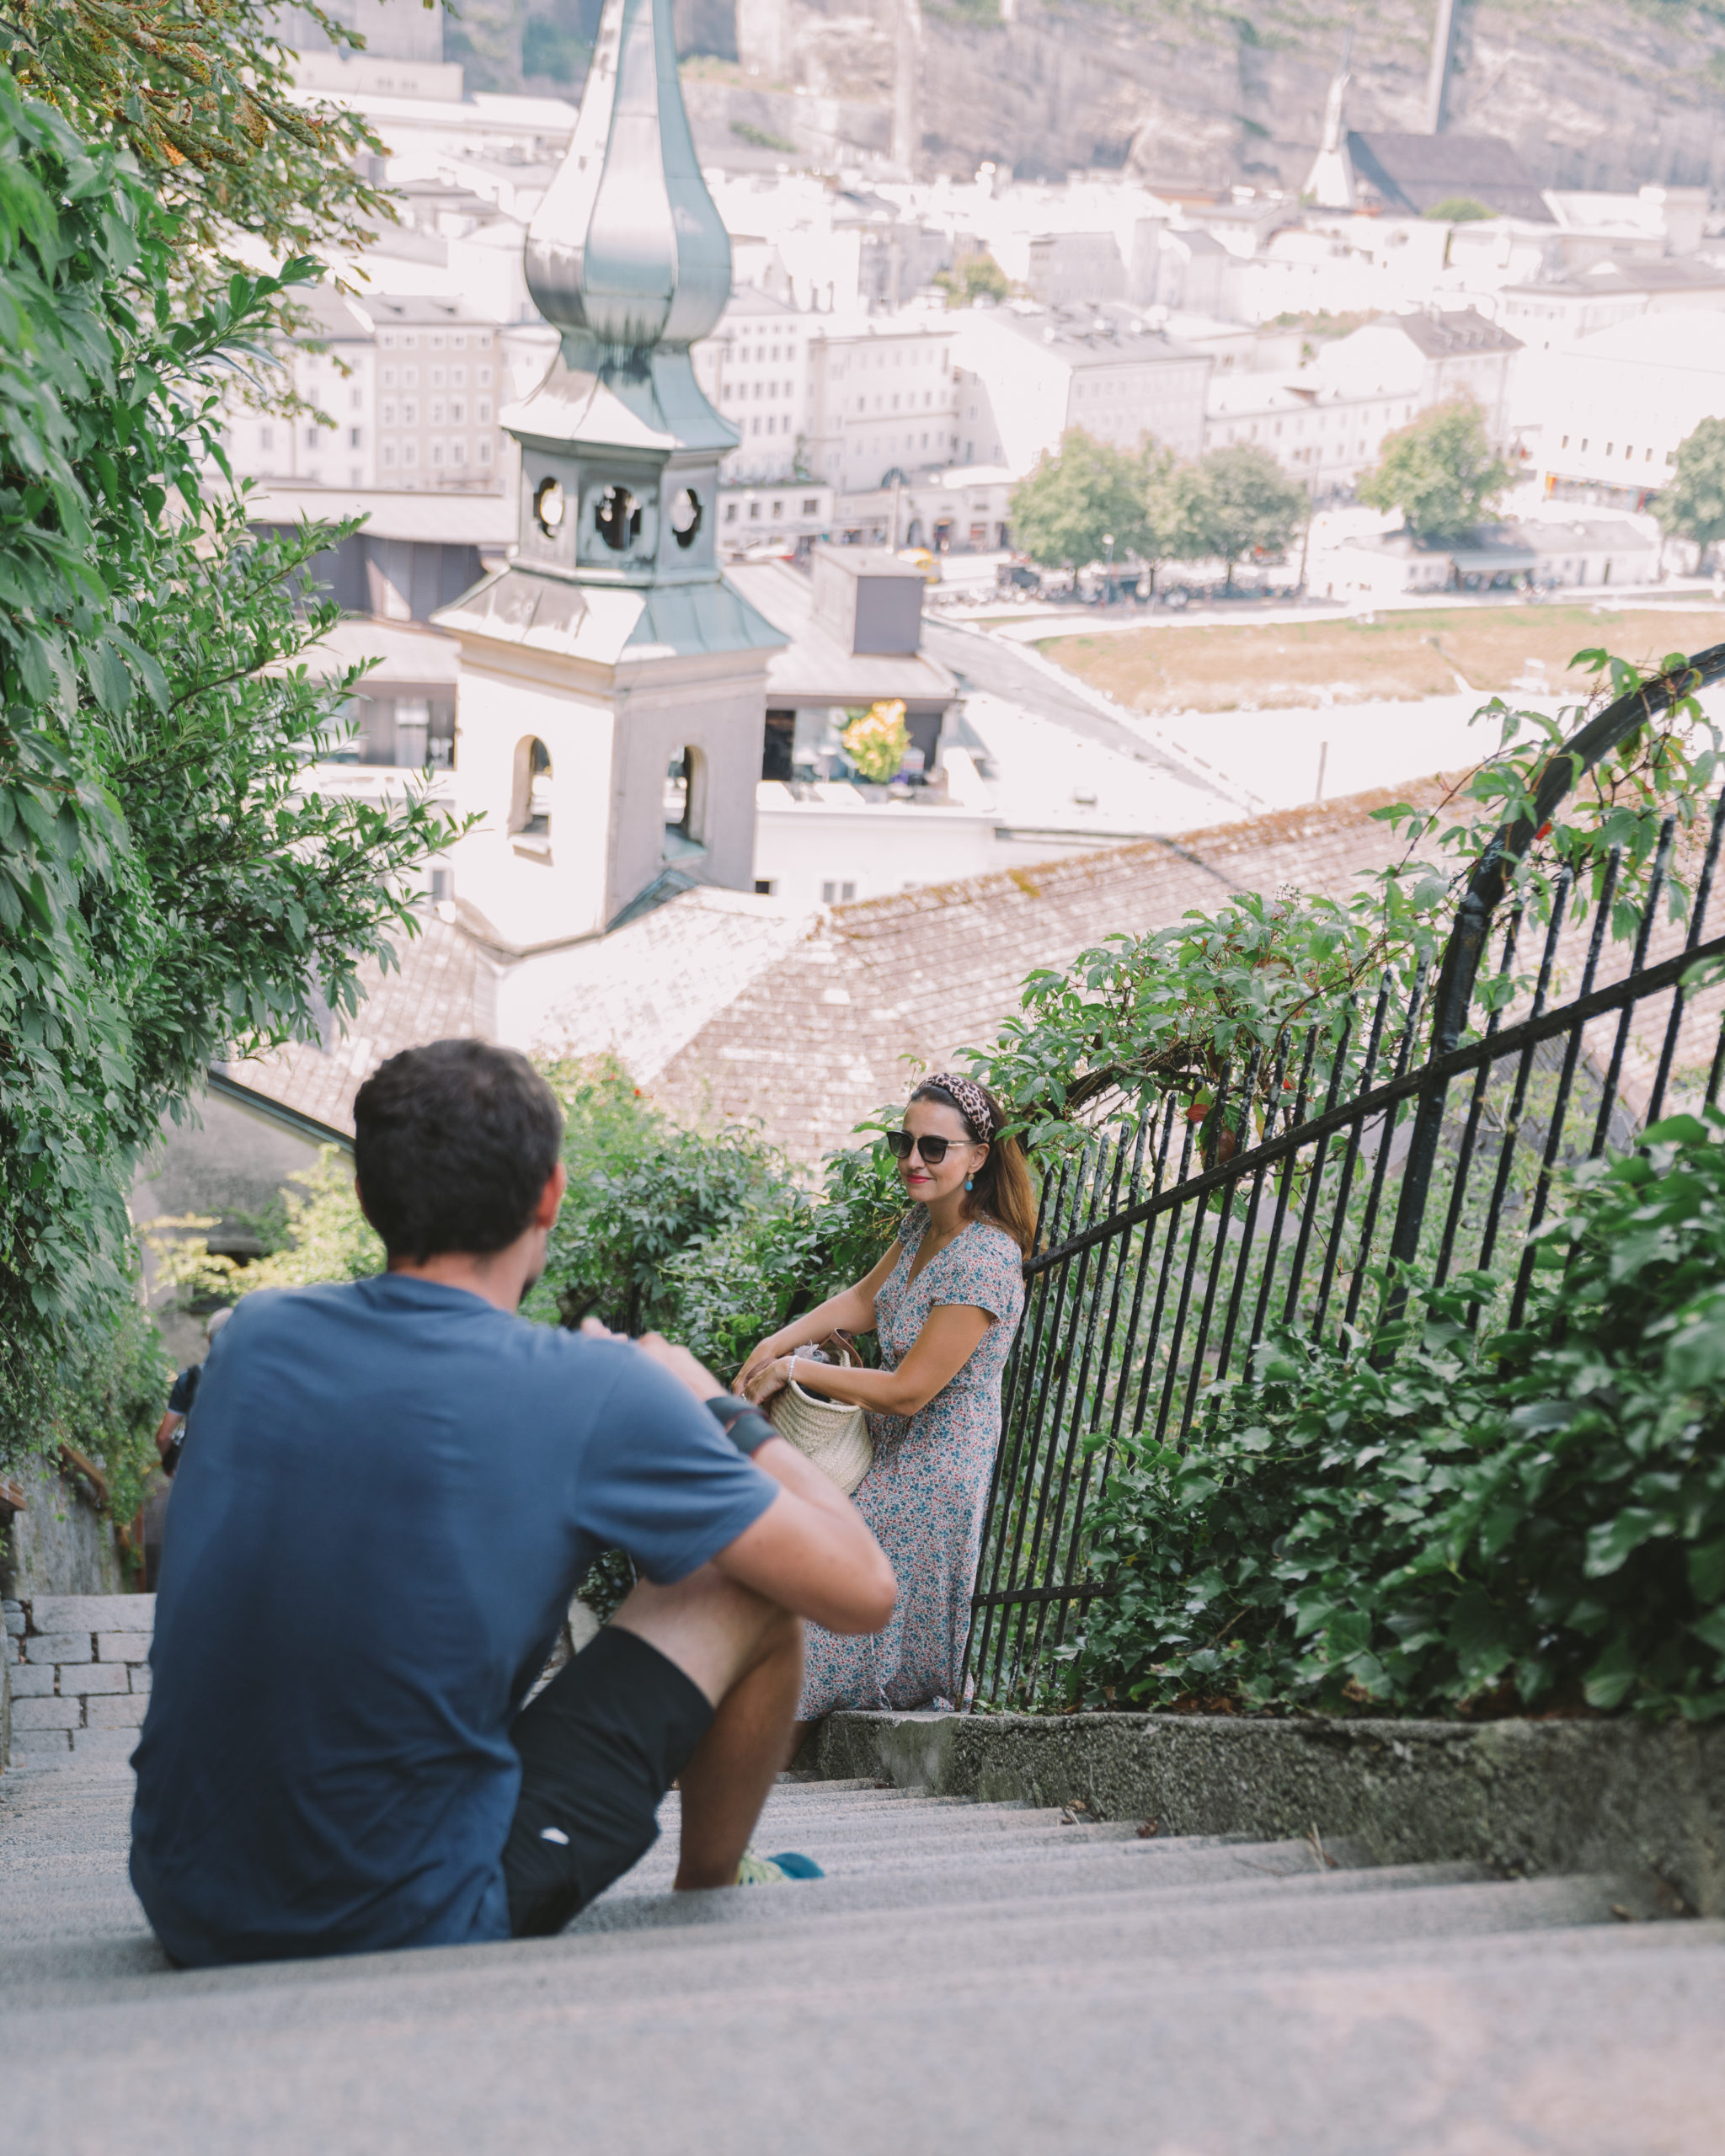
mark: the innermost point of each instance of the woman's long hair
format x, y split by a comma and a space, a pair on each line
1003, 1191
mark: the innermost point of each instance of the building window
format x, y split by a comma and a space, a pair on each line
410, 452
730, 512
458, 452
437, 453
1566, 441
837, 893
754, 510
266, 437
353, 438
811, 506
484, 452
389, 453
484, 409
437, 411
685, 804
457, 411
531, 793
765, 887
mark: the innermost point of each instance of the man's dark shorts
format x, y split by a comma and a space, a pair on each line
600, 1747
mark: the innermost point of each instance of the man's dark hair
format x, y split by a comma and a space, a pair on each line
453, 1145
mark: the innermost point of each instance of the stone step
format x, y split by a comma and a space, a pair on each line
968, 1978
1338, 2060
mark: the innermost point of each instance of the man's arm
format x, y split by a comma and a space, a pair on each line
810, 1551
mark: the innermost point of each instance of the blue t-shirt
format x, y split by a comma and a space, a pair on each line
393, 1490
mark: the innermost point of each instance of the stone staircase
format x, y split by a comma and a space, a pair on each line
77, 1668
968, 1976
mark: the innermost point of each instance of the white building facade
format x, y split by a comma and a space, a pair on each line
406, 391
882, 399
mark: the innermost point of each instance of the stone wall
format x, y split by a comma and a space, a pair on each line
77, 1673
58, 1544
1527, 1797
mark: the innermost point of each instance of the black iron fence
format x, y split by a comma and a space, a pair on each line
1161, 1265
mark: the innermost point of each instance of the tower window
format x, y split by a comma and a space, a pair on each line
685, 514
617, 514
685, 805
531, 795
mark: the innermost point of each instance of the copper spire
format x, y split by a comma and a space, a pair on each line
627, 247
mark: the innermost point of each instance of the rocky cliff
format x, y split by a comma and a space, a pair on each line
1604, 93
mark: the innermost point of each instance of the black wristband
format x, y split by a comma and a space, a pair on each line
172, 1451
744, 1424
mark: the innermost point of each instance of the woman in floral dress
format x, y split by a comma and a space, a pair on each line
945, 1300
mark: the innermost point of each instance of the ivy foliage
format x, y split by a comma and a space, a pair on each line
1526, 1521
166, 890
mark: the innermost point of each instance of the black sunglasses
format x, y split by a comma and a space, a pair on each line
901, 1144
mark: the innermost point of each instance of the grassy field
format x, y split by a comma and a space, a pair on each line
1492, 650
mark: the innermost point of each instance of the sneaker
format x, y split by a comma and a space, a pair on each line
766, 1870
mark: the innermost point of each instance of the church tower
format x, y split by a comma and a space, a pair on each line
613, 685
1329, 185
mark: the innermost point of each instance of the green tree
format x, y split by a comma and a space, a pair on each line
1441, 472
1457, 210
1065, 512
1692, 503
167, 889
1231, 503
978, 276
200, 91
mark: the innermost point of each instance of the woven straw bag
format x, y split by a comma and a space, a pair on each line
830, 1435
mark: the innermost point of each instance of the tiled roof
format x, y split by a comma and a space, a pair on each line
1418, 171
1463, 329
841, 1023
439, 990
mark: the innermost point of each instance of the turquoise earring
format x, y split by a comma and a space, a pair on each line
970, 1182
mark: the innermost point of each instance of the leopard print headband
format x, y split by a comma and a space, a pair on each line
973, 1102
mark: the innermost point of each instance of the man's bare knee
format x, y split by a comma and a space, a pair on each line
714, 1629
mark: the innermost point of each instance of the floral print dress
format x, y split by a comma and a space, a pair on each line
924, 1496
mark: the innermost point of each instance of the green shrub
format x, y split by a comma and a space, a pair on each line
711, 1238
735, 1286
1534, 1520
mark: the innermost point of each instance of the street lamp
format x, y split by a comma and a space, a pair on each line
1107, 588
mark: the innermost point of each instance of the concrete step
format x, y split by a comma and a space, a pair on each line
969, 1978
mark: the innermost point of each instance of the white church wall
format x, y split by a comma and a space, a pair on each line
532, 888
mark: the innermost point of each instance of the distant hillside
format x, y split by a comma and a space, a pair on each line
1594, 92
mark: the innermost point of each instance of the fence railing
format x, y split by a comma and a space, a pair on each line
1159, 1269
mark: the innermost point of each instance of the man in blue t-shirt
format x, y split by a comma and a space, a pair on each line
336, 1758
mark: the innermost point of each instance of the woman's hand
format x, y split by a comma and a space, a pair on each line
770, 1350
767, 1378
